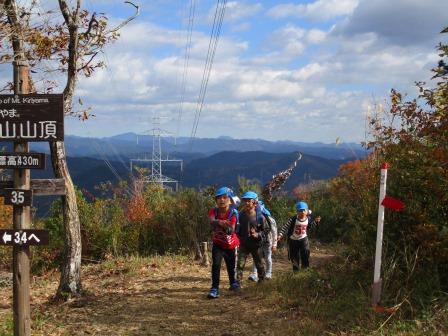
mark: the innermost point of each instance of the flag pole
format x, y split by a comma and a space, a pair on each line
376, 287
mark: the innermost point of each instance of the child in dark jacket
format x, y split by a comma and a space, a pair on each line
223, 220
296, 233
253, 232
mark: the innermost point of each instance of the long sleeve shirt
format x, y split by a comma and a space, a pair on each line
223, 226
259, 224
296, 229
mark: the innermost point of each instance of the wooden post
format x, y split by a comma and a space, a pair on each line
205, 260
377, 281
21, 220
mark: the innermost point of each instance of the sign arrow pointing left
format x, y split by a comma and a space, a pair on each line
24, 237
7, 237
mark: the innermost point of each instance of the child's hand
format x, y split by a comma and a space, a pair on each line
224, 223
253, 233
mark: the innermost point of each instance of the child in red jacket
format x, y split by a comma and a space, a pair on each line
223, 219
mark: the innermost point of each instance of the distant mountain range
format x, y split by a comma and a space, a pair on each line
125, 146
206, 161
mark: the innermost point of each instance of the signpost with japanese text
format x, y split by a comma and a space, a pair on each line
26, 118
36, 117
24, 237
22, 161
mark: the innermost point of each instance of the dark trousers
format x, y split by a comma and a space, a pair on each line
257, 256
218, 254
299, 252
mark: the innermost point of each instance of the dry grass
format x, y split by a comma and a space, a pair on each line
150, 296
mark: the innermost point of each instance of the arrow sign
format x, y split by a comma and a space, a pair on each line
7, 238
24, 237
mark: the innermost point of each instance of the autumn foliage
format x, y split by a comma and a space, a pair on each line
412, 136
137, 210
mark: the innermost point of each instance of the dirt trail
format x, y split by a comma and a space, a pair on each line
154, 296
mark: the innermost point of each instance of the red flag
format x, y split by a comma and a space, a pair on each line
392, 203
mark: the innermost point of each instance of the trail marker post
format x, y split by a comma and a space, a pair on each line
23, 118
377, 281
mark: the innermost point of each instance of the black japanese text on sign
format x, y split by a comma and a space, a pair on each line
24, 237
22, 161
19, 197
32, 117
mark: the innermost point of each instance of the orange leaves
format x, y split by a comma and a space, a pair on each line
350, 167
5, 215
137, 210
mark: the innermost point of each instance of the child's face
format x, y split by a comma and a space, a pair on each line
249, 204
223, 201
301, 214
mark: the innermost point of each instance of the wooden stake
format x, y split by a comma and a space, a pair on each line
377, 281
21, 220
205, 260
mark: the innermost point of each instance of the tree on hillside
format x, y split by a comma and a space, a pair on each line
413, 137
71, 45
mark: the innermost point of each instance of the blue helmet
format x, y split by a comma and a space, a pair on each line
250, 195
301, 206
224, 191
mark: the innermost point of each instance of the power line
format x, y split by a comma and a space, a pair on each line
186, 63
213, 43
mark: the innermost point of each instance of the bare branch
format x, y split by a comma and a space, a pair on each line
91, 22
90, 60
124, 23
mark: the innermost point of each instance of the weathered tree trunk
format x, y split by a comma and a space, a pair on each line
70, 281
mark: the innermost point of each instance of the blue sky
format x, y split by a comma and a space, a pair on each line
283, 70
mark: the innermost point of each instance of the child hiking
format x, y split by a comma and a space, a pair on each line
269, 246
296, 233
223, 220
253, 233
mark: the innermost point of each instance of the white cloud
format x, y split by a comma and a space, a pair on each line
237, 10
319, 10
282, 84
147, 35
288, 44
316, 36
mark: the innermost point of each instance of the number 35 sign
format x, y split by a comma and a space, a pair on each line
17, 196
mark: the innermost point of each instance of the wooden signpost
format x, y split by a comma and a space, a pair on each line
32, 117
24, 118
20, 197
24, 161
24, 237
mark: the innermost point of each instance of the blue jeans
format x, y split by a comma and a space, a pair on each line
267, 254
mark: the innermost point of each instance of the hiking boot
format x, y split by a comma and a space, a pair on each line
252, 277
213, 294
235, 286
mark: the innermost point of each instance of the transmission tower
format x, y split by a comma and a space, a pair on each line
156, 175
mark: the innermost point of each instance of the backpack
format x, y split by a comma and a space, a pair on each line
270, 221
261, 208
233, 211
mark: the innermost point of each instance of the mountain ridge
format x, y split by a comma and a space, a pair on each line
130, 145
